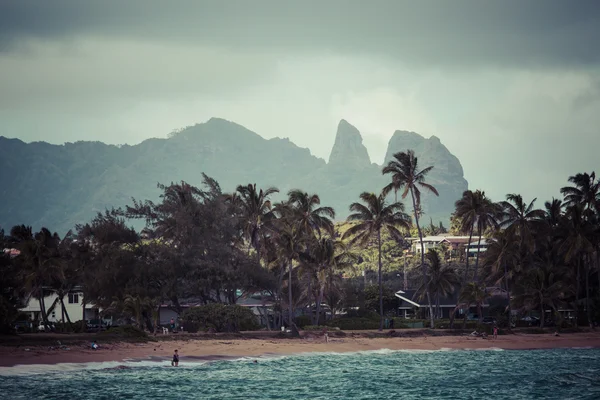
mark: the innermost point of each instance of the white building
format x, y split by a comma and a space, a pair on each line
453, 242
73, 306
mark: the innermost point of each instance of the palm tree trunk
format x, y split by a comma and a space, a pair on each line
577, 292
508, 295
319, 301
587, 292
476, 275
541, 311
309, 299
290, 300
467, 256
423, 268
380, 283
43, 309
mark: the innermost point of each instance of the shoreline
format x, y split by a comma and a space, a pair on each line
195, 350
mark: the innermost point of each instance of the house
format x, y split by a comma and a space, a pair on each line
410, 302
452, 242
261, 306
73, 307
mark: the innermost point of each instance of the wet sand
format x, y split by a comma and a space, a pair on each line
194, 350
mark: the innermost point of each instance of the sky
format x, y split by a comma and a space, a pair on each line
512, 87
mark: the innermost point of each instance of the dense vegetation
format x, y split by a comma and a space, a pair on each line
214, 247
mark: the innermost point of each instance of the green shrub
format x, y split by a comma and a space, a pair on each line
314, 327
125, 332
353, 324
220, 317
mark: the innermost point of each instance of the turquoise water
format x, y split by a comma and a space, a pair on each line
489, 374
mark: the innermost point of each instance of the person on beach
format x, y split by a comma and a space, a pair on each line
175, 362
172, 325
495, 332
94, 346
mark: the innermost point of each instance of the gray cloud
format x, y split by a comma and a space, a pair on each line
511, 87
513, 32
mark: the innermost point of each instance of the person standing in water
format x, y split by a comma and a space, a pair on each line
175, 362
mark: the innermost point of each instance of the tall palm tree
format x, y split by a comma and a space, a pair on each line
522, 218
578, 234
310, 216
487, 216
503, 256
586, 191
466, 209
404, 169
254, 212
473, 294
290, 241
41, 262
371, 217
553, 212
442, 280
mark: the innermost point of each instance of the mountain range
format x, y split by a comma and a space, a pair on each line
59, 186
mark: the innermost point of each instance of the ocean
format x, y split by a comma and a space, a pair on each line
384, 374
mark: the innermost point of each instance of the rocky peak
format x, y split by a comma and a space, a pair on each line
348, 150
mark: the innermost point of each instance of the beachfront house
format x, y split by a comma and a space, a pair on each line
453, 243
73, 307
260, 305
411, 303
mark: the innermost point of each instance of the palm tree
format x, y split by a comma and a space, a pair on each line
473, 295
503, 256
442, 280
554, 212
585, 192
254, 212
547, 282
41, 260
405, 173
578, 234
466, 209
522, 218
309, 215
289, 239
487, 215
371, 217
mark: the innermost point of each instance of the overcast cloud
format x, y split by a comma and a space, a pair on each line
510, 87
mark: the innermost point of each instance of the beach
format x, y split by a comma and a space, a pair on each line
208, 349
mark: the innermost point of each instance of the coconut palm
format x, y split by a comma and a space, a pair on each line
255, 213
371, 217
554, 212
473, 294
441, 280
578, 234
290, 241
503, 256
466, 209
310, 216
547, 282
404, 169
586, 191
522, 218
41, 262
487, 215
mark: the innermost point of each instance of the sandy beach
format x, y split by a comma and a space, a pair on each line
214, 349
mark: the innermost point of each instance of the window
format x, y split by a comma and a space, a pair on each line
73, 298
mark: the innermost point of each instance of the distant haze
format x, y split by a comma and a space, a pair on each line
512, 88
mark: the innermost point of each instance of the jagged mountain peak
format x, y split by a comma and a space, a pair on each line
348, 150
